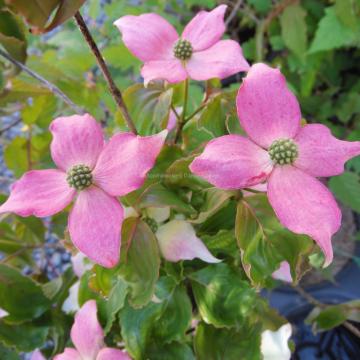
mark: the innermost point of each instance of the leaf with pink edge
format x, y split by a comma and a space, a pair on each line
140, 261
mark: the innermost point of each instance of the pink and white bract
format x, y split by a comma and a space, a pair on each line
178, 241
92, 172
198, 53
278, 150
88, 338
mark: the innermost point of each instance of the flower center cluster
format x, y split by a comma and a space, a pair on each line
283, 151
79, 177
183, 49
152, 223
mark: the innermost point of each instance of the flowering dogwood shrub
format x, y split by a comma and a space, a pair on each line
175, 208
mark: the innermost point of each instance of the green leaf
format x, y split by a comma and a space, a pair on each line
161, 321
331, 33
224, 299
212, 118
140, 261
326, 319
204, 3
35, 12
137, 326
348, 12
30, 229
115, 302
262, 6
220, 344
20, 91
173, 351
149, 107
59, 330
293, 29
66, 9
264, 243
219, 116
40, 112
38, 12
215, 199
12, 36
347, 106
179, 174
24, 337
223, 241
176, 310
119, 56
156, 195
15, 292
257, 256
8, 353
346, 188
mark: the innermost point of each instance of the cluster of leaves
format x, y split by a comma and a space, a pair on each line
162, 310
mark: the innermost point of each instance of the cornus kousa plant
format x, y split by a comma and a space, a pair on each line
157, 189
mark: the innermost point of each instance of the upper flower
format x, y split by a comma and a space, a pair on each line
198, 53
88, 338
289, 157
92, 172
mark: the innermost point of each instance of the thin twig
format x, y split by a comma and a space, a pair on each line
201, 107
351, 328
6, 128
233, 12
28, 149
311, 300
115, 91
182, 119
53, 88
28, 247
276, 11
262, 26
175, 111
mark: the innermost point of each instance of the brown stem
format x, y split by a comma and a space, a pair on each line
25, 248
233, 12
352, 328
311, 300
28, 149
263, 25
6, 128
115, 91
277, 10
181, 122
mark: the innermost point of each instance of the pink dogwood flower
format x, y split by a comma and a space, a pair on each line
88, 338
278, 150
91, 172
198, 53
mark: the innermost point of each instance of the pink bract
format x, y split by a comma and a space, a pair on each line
152, 39
283, 273
118, 167
88, 338
270, 113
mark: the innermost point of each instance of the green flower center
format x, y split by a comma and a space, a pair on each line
152, 223
79, 177
283, 151
183, 49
